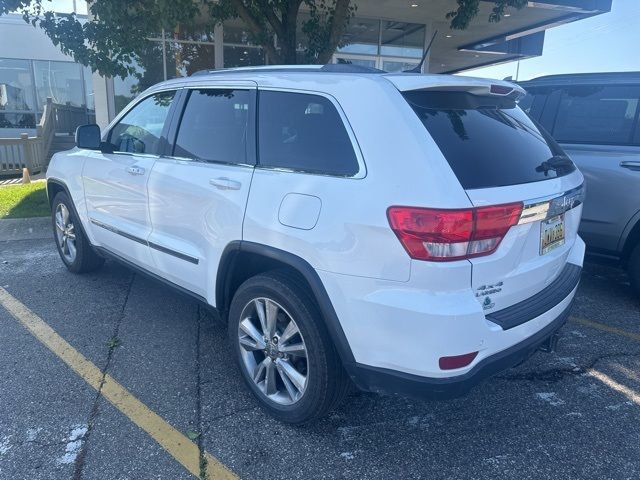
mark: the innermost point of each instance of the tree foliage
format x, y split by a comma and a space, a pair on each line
118, 30
469, 9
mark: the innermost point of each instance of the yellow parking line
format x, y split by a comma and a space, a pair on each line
606, 328
618, 387
178, 445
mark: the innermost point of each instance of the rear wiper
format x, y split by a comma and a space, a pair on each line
557, 163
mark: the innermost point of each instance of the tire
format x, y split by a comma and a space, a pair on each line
325, 384
634, 269
73, 247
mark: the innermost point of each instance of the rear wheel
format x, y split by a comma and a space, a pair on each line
73, 246
634, 268
285, 354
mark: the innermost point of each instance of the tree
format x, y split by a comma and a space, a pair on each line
110, 42
469, 9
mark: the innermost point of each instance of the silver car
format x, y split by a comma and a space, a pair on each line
595, 119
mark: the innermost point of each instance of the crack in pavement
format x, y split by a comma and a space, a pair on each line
556, 374
113, 344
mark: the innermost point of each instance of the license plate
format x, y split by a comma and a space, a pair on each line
551, 234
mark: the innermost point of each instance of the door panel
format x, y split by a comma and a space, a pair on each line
198, 195
194, 220
115, 184
117, 203
612, 198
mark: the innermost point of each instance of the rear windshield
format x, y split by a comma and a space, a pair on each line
488, 141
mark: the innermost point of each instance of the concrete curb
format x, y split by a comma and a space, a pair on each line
25, 228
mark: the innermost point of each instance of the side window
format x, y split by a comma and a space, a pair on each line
214, 126
597, 114
140, 129
305, 133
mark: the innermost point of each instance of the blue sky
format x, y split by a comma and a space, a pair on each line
604, 43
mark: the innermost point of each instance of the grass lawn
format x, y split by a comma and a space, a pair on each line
22, 201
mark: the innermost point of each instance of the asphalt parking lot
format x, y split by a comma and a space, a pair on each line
571, 414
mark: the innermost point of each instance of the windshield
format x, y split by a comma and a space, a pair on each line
488, 142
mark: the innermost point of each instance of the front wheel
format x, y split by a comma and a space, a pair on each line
284, 352
74, 248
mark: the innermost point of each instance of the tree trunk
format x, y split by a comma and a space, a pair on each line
338, 23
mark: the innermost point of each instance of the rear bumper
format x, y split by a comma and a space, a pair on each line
381, 380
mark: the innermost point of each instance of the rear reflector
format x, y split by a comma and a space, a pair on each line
442, 235
458, 361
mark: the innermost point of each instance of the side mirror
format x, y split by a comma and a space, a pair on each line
88, 136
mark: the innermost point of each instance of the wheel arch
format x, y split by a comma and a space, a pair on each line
630, 238
55, 186
241, 260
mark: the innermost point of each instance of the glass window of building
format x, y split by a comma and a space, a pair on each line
400, 39
17, 94
395, 66
382, 44
62, 81
239, 51
186, 58
242, 56
362, 37
199, 32
149, 67
16, 85
87, 75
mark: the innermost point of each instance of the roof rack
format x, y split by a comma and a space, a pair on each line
329, 68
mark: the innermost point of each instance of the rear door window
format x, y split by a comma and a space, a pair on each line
597, 114
488, 142
305, 133
214, 126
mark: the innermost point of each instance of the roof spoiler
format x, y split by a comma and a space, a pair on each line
474, 86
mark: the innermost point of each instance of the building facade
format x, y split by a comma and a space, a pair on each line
387, 34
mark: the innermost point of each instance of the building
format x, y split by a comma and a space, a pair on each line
388, 34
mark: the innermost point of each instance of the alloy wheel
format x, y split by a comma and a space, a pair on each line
273, 351
65, 233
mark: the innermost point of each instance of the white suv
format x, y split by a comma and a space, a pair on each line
408, 233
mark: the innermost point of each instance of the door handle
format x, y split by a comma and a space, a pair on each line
224, 183
631, 165
135, 170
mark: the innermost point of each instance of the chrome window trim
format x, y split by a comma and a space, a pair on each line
362, 168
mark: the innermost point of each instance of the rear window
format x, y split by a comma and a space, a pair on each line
488, 141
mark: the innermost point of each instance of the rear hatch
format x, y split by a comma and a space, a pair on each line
500, 156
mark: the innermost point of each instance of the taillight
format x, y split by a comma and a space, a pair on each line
443, 235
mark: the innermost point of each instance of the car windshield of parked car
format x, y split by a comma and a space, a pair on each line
488, 142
